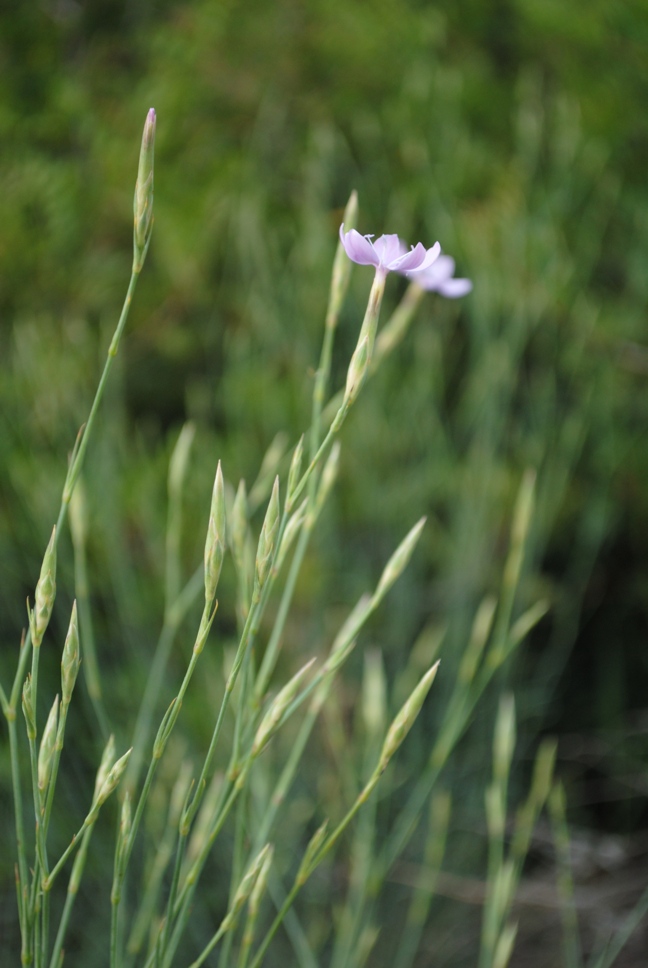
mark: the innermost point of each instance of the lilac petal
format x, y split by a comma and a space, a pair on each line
416, 259
358, 248
454, 288
431, 256
441, 269
389, 248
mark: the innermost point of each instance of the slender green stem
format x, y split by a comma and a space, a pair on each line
20, 829
229, 687
276, 924
238, 859
330, 841
210, 947
166, 727
355, 906
440, 810
286, 778
33, 757
185, 896
299, 489
72, 891
71, 478
77, 462
144, 722
90, 664
173, 891
56, 870
272, 650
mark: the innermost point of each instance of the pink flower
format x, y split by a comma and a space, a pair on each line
388, 253
439, 278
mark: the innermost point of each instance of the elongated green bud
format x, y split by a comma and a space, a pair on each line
125, 824
268, 470
522, 518
246, 886
71, 658
280, 703
374, 693
495, 811
79, 514
504, 946
45, 593
238, 526
341, 266
344, 641
523, 625
310, 854
216, 538
268, 537
481, 629
357, 372
28, 708
259, 888
504, 740
107, 760
405, 718
398, 561
543, 771
295, 467
126, 819
47, 747
255, 900
113, 777
180, 459
143, 201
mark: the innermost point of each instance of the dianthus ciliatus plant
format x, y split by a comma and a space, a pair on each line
234, 786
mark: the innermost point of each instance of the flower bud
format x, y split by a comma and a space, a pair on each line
374, 693
357, 372
398, 561
277, 708
180, 459
107, 760
45, 593
295, 468
405, 718
269, 469
71, 658
28, 708
47, 747
341, 266
295, 522
238, 526
310, 854
345, 639
268, 536
246, 886
143, 201
216, 540
113, 777
504, 740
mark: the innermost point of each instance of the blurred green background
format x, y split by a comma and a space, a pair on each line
515, 133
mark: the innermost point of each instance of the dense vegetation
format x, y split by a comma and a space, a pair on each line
513, 132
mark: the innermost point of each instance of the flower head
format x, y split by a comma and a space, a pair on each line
439, 278
388, 253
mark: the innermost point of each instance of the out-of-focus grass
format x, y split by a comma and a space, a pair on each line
493, 131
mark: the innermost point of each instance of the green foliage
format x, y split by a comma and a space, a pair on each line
493, 128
